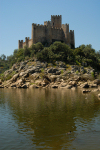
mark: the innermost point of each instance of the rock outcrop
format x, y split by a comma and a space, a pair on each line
36, 74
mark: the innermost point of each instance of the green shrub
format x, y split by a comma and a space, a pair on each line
42, 70
62, 71
92, 74
8, 77
77, 72
26, 51
21, 58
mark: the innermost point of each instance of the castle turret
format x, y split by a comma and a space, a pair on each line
26, 41
56, 21
47, 23
65, 28
72, 40
20, 44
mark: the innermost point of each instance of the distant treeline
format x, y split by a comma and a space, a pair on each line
84, 54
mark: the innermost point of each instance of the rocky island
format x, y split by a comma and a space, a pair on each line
35, 74
57, 66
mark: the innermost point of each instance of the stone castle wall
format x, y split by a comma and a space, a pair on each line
51, 31
56, 21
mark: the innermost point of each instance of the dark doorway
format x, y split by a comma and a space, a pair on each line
53, 40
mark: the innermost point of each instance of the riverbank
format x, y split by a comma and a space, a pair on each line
36, 74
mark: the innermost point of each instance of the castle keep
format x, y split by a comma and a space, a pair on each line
50, 32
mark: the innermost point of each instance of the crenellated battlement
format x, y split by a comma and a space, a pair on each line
71, 31
47, 23
49, 32
56, 16
39, 25
20, 41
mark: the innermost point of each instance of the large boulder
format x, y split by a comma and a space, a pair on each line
22, 65
58, 73
35, 76
99, 95
7, 72
46, 81
93, 85
63, 84
75, 68
34, 86
91, 70
69, 86
13, 85
52, 70
96, 81
20, 81
24, 86
73, 83
32, 70
85, 85
14, 67
14, 78
1, 86
54, 86
0, 82
82, 69
21, 74
53, 78
46, 78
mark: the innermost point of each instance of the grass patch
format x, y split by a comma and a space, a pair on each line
77, 72
62, 71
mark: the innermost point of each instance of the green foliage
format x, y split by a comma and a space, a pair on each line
84, 54
61, 51
92, 74
77, 72
77, 63
42, 70
2, 77
20, 52
98, 77
15, 52
3, 57
36, 48
79, 51
43, 55
26, 51
8, 77
21, 58
62, 71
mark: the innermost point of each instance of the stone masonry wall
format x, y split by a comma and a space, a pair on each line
51, 31
56, 21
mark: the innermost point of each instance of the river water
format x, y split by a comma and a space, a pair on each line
35, 119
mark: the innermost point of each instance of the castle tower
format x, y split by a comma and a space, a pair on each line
26, 41
65, 28
47, 23
72, 39
20, 44
56, 21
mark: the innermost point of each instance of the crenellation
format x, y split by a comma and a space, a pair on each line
56, 16
51, 31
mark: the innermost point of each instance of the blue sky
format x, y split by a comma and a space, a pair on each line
17, 16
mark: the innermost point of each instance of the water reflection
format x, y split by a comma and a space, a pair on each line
47, 115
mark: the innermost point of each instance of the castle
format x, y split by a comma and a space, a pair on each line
50, 32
